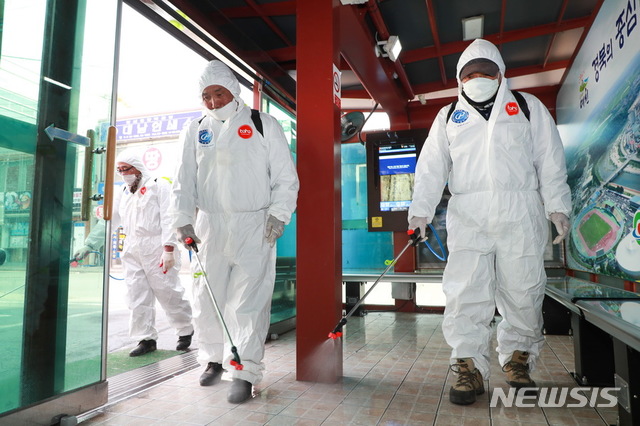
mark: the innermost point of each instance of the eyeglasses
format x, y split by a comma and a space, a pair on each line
122, 170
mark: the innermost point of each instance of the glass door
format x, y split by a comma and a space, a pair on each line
56, 78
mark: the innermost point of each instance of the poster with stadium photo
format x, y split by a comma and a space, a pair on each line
598, 112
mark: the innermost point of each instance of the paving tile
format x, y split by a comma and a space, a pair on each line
396, 372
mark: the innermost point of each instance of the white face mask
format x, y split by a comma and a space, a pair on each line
480, 89
129, 179
225, 112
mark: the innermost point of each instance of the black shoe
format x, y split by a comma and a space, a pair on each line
184, 342
212, 375
240, 391
145, 346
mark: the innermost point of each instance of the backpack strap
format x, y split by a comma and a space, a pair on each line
255, 117
519, 98
522, 103
257, 121
451, 109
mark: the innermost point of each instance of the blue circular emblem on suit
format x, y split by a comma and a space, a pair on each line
205, 136
459, 116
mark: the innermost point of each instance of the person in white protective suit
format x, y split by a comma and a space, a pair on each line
150, 255
507, 175
234, 191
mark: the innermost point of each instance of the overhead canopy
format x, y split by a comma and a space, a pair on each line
537, 43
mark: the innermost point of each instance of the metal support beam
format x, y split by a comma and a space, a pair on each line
563, 8
222, 29
498, 38
436, 39
383, 33
267, 20
378, 81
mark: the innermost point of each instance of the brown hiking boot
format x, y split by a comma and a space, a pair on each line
469, 383
518, 372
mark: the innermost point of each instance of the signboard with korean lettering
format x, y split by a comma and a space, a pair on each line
598, 110
155, 126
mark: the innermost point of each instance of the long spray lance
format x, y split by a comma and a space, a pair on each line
236, 358
414, 240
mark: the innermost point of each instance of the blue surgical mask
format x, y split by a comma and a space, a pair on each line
480, 89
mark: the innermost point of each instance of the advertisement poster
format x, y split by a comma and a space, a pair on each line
598, 111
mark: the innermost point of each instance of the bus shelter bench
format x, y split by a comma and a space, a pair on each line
355, 281
619, 319
283, 302
562, 314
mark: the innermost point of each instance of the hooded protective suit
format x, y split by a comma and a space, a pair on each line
234, 178
506, 176
144, 218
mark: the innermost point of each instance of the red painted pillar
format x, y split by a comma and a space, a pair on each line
257, 95
319, 244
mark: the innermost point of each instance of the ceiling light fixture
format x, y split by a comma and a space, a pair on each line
391, 48
472, 28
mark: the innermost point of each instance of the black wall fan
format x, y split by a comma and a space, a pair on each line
350, 124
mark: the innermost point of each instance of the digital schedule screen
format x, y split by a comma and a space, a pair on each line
396, 167
391, 167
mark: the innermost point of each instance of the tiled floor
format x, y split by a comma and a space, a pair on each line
395, 373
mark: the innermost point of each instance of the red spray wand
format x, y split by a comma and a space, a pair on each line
236, 358
414, 240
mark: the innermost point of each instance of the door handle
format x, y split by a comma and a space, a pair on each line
85, 205
111, 164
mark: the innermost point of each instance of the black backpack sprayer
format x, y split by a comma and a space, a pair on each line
414, 240
237, 364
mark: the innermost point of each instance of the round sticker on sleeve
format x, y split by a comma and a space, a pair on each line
512, 108
245, 131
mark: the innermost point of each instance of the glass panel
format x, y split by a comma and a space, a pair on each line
86, 278
377, 121
16, 171
283, 305
40, 186
361, 250
575, 289
20, 53
427, 260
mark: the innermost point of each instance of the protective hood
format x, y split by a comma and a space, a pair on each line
217, 73
480, 49
133, 156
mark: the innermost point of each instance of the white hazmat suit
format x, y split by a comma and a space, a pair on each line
144, 218
506, 175
230, 179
